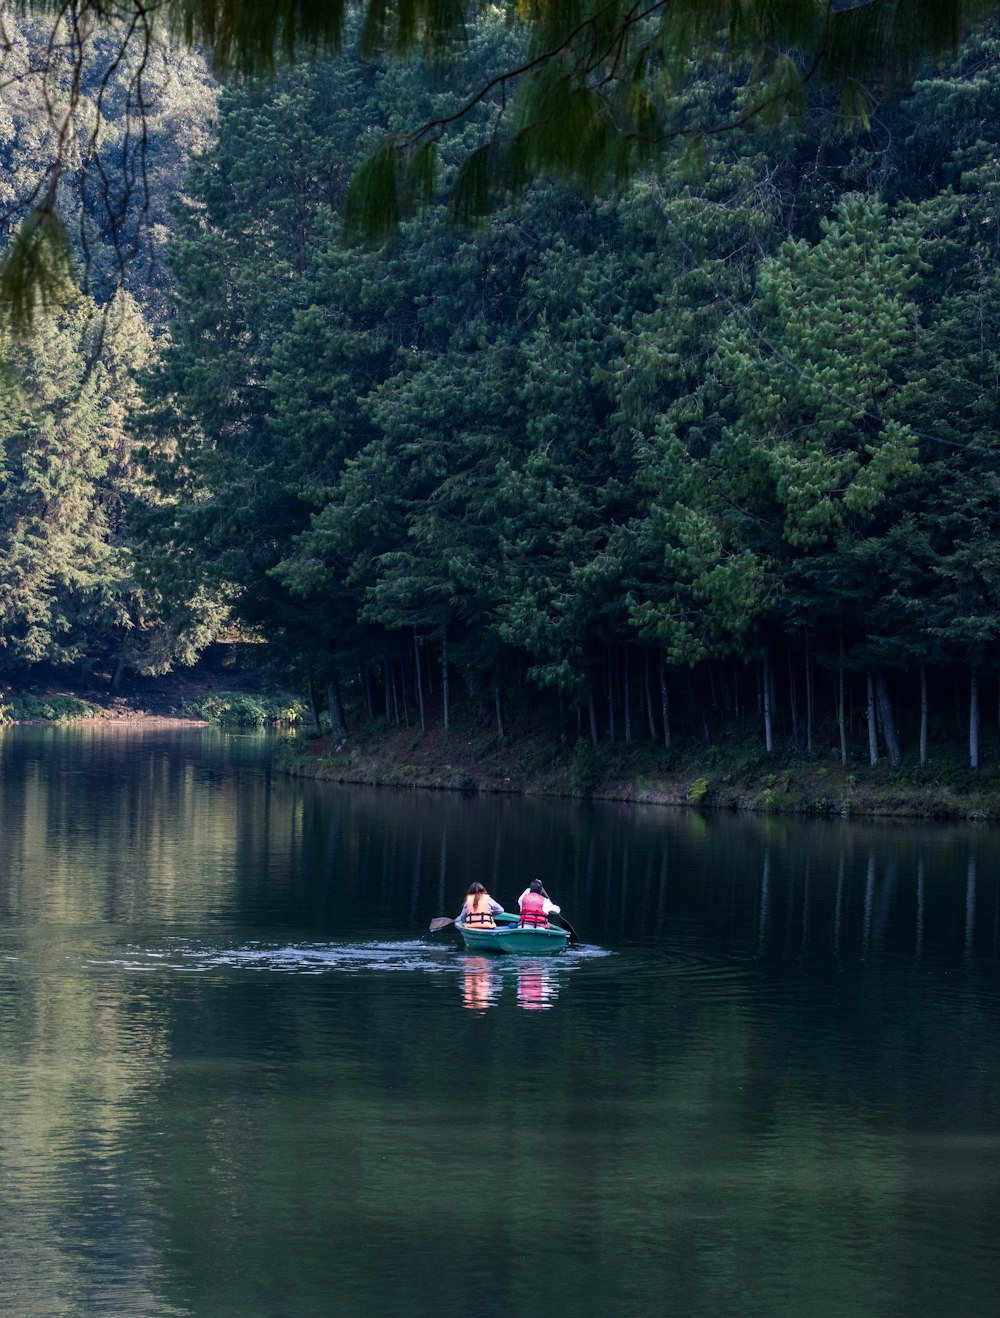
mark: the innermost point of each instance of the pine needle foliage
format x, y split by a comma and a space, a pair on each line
590, 102
36, 272
594, 97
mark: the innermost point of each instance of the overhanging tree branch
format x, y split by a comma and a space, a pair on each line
591, 102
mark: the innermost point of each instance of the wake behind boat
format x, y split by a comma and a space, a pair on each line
511, 936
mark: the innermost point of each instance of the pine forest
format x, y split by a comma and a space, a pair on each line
708, 460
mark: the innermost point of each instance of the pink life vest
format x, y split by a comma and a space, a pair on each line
533, 910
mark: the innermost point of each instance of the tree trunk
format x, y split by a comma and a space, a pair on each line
338, 724
496, 701
649, 695
445, 691
612, 731
768, 729
592, 707
809, 703
395, 693
974, 718
725, 693
664, 702
841, 713
402, 692
627, 693
369, 696
793, 703
887, 721
923, 716
119, 673
420, 682
313, 704
758, 670
872, 734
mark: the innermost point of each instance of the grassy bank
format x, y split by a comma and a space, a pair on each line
197, 698
733, 776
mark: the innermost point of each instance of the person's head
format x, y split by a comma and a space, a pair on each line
535, 886
477, 898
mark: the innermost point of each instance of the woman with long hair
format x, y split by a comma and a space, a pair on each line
479, 908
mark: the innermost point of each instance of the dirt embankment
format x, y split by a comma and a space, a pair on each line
728, 779
473, 759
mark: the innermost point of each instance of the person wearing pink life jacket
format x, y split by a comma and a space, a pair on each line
535, 906
479, 908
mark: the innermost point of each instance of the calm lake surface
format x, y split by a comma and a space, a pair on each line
239, 1077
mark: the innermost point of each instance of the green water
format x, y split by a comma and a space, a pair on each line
239, 1077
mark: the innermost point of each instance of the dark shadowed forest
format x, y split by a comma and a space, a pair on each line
707, 462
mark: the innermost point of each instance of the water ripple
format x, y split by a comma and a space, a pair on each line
318, 958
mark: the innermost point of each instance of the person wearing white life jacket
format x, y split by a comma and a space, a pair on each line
479, 909
535, 906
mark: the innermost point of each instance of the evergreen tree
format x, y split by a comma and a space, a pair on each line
68, 481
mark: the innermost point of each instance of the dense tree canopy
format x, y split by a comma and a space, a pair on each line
594, 92
713, 451
718, 448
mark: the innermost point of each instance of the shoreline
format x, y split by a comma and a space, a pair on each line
869, 803
731, 777
119, 715
176, 700
780, 785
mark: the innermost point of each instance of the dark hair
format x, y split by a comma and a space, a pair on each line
475, 889
536, 886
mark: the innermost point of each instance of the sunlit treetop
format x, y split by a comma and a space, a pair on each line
590, 101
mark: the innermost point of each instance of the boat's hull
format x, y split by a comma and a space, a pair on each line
509, 936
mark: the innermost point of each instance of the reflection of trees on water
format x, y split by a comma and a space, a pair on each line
885, 909
809, 1089
755, 885
765, 902
790, 889
970, 906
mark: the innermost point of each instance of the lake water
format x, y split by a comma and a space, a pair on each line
238, 1076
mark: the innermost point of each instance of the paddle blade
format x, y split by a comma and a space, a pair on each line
439, 922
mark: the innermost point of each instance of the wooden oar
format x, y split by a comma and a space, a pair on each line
574, 937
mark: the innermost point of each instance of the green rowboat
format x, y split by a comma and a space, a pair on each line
509, 936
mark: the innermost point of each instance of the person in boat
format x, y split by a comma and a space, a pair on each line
535, 906
479, 909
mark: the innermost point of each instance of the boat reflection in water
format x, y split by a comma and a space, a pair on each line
536, 984
483, 978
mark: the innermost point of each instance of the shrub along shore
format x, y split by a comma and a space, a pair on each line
161, 699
